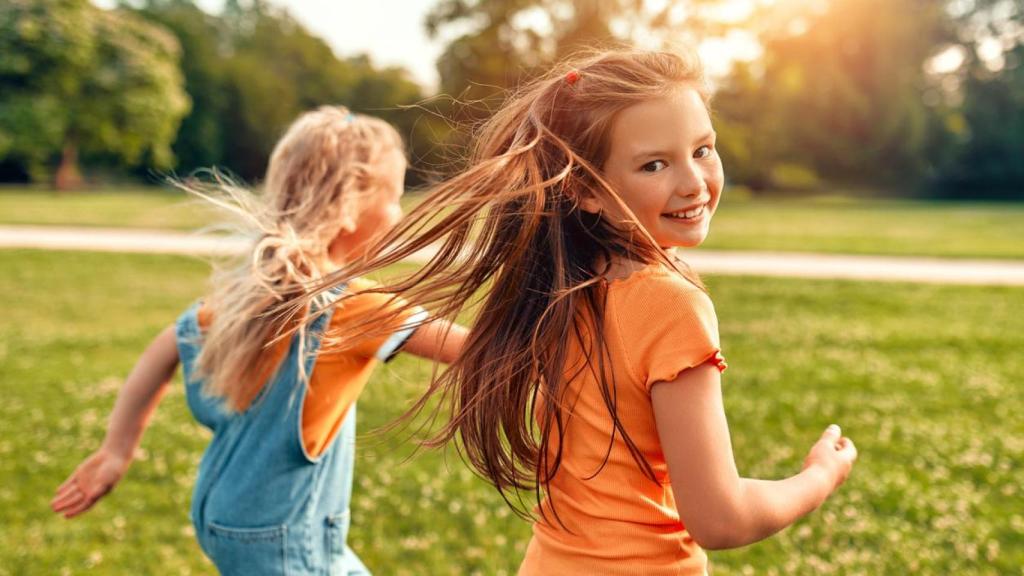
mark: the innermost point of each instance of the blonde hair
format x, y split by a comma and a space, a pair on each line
517, 235
318, 173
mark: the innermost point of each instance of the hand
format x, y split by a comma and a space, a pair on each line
93, 479
834, 454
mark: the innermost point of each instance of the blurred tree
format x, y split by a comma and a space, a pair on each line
501, 43
987, 109
200, 141
747, 133
252, 69
277, 70
851, 92
841, 92
389, 94
505, 41
76, 78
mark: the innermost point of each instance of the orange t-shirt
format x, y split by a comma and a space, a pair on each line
617, 520
339, 376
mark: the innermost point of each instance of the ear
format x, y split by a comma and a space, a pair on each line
589, 203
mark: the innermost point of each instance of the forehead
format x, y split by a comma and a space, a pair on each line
676, 119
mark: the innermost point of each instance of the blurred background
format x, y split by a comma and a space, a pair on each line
901, 98
890, 128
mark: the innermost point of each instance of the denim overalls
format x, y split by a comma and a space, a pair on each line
261, 505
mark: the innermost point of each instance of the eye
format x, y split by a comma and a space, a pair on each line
702, 152
654, 166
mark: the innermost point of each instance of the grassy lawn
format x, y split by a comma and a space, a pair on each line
831, 224
894, 227
926, 379
162, 208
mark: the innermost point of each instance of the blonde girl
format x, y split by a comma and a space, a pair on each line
591, 375
273, 490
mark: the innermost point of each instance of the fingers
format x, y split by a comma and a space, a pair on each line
69, 497
833, 437
65, 490
846, 448
79, 507
65, 501
72, 498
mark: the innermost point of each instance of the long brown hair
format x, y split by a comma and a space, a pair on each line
326, 161
513, 240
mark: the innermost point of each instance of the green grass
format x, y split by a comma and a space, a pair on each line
893, 227
926, 379
830, 224
161, 208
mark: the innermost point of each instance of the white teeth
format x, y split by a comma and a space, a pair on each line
688, 214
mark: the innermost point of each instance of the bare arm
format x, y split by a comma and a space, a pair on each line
135, 405
439, 340
718, 507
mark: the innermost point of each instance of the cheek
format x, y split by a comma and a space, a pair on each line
715, 179
394, 215
643, 195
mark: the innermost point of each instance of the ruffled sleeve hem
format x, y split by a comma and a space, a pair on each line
715, 358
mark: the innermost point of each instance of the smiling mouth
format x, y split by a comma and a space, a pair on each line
688, 215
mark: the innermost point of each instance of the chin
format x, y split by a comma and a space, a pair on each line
689, 241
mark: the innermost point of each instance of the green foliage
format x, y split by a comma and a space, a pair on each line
502, 44
133, 99
201, 139
108, 83
46, 53
989, 142
254, 69
507, 41
77, 77
924, 378
840, 92
845, 91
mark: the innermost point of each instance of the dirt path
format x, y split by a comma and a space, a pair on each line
791, 264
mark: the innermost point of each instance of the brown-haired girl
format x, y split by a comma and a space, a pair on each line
273, 490
591, 374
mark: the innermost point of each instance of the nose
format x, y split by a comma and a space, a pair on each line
691, 183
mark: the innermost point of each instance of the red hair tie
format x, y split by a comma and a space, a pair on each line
572, 77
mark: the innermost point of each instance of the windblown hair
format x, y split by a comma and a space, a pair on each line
511, 227
327, 161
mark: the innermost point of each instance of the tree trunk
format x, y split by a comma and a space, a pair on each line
68, 177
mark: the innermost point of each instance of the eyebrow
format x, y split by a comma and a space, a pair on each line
710, 134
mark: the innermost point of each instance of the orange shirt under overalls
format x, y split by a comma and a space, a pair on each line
339, 376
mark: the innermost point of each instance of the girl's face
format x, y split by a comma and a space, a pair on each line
663, 164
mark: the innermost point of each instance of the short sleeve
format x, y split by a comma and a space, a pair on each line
353, 309
668, 325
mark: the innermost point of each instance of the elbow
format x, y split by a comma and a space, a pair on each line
714, 537
720, 530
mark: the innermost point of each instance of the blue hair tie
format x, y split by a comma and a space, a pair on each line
350, 117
